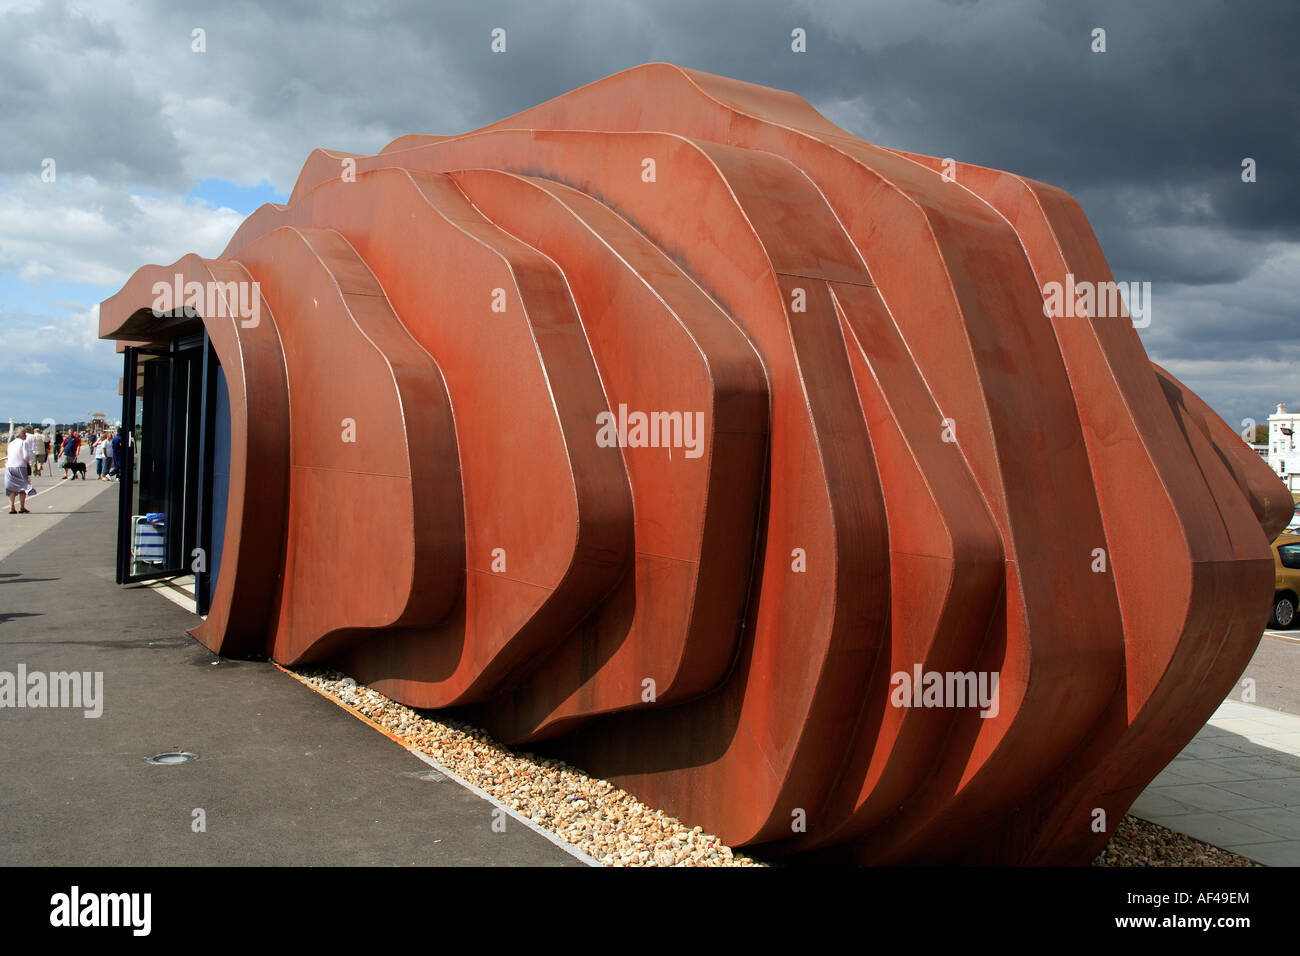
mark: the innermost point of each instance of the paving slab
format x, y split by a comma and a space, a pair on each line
1284, 853
1236, 785
1219, 829
1283, 822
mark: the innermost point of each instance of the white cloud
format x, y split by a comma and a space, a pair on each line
34, 271
81, 231
55, 366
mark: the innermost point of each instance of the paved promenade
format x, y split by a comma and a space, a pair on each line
284, 776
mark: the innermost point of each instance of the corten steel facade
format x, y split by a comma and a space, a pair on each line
906, 467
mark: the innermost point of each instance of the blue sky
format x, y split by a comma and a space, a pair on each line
221, 193
51, 369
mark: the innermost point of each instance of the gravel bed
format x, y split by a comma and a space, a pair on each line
1143, 843
616, 828
591, 814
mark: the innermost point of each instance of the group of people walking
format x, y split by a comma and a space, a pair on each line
30, 452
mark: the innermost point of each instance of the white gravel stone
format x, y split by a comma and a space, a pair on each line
593, 815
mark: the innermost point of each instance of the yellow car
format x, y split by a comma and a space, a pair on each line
1286, 594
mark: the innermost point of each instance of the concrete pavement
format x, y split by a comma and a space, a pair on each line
1235, 786
283, 776
55, 499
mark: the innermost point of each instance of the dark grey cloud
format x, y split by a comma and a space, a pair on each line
1149, 136
1181, 95
67, 93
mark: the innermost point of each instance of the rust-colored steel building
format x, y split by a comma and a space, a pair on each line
673, 430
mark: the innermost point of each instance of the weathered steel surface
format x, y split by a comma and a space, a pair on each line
880, 456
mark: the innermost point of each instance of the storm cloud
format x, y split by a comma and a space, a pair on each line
1149, 136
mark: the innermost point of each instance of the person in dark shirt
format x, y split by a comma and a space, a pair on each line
119, 451
70, 444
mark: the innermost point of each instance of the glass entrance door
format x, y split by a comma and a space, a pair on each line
158, 497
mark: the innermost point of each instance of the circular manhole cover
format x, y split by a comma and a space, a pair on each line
176, 756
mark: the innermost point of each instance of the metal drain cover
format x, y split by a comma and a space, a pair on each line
175, 756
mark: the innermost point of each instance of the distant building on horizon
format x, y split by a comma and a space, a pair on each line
1283, 455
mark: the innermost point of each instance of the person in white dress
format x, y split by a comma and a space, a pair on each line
18, 472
